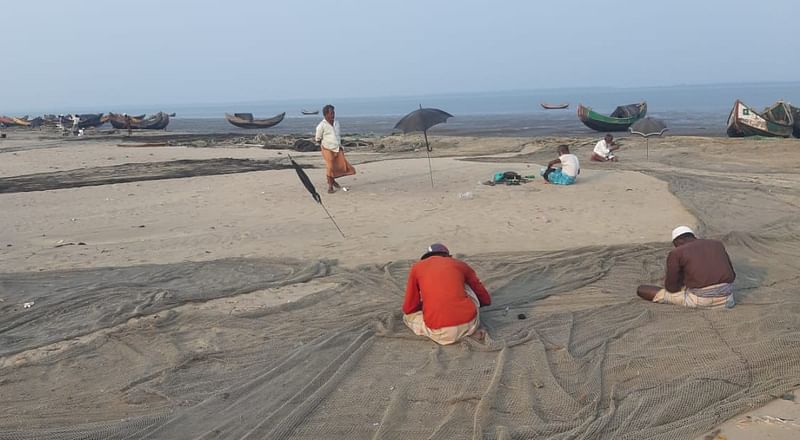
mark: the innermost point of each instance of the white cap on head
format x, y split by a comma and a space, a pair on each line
680, 230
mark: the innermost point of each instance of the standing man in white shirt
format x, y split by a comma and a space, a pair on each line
564, 170
329, 139
603, 150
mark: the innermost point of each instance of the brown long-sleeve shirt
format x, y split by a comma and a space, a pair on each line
698, 263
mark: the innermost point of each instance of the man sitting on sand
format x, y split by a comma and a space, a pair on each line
568, 170
329, 139
699, 274
443, 296
603, 150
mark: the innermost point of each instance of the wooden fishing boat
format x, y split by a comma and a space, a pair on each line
744, 121
547, 106
246, 120
87, 120
10, 121
158, 121
796, 117
619, 120
309, 112
120, 121
36, 122
22, 122
779, 113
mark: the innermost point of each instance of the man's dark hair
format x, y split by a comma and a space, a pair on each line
563, 148
326, 109
434, 254
684, 236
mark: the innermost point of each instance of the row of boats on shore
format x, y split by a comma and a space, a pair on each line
157, 121
778, 120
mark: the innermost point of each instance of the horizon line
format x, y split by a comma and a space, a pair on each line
444, 94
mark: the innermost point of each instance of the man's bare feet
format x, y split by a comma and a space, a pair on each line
479, 335
331, 190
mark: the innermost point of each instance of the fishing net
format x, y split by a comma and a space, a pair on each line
262, 349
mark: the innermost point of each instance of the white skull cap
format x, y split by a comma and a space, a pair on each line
680, 230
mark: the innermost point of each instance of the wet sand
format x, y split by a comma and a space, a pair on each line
200, 291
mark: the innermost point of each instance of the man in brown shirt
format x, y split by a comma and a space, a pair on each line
699, 274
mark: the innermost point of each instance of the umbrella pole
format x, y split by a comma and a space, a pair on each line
428, 151
331, 217
647, 153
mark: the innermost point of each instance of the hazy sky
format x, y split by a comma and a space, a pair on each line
60, 53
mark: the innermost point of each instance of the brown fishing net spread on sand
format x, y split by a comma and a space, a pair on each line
260, 349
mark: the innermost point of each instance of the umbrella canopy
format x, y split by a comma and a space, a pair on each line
422, 119
313, 191
648, 127
306, 181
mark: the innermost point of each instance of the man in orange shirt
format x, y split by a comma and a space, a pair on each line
443, 295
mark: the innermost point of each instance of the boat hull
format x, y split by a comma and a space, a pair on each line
743, 121
554, 106
158, 121
796, 116
255, 123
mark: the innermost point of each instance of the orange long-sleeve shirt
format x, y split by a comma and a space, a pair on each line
436, 286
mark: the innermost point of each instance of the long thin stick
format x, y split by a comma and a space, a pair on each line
331, 217
428, 151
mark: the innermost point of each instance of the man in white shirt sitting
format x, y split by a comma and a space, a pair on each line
603, 150
567, 171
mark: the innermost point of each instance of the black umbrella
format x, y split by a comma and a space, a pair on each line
422, 120
647, 127
310, 187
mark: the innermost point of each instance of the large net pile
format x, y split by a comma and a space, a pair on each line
145, 351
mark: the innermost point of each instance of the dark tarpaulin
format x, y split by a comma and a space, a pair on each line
626, 111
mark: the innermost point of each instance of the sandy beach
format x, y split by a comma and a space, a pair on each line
185, 292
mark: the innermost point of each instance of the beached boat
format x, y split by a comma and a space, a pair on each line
309, 112
547, 106
87, 120
158, 121
120, 121
619, 120
246, 120
780, 113
10, 121
744, 121
796, 117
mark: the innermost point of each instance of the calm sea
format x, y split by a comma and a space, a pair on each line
697, 109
